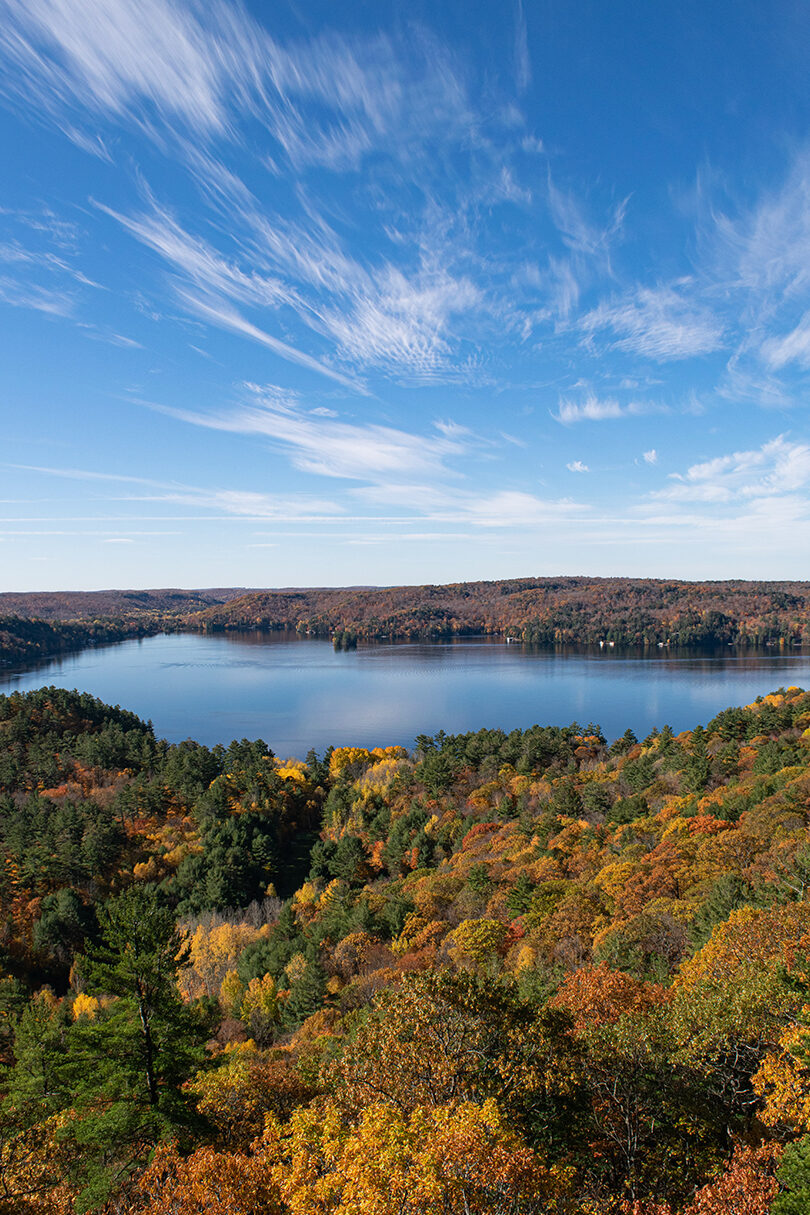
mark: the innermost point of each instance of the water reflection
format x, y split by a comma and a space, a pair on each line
298, 692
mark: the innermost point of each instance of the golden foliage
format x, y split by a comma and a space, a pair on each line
783, 1081
749, 936
448, 1160
209, 1183
85, 1006
246, 1086
213, 952
477, 941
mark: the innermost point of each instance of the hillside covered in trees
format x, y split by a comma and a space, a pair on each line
624, 612
41, 624
502, 973
542, 611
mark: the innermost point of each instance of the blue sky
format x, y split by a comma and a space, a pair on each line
375, 293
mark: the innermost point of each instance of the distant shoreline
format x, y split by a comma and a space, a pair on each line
622, 613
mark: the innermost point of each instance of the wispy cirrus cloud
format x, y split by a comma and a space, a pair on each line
194, 78
497, 509
210, 284
39, 266
764, 250
114, 56
760, 261
661, 323
175, 68
50, 300
418, 301
225, 316
523, 66
399, 470
580, 233
331, 447
238, 502
198, 261
380, 318
565, 285
584, 260
515, 508
402, 325
793, 347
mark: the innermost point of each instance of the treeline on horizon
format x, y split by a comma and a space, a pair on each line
622, 612
539, 611
530, 973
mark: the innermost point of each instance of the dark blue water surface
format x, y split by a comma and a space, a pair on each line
299, 693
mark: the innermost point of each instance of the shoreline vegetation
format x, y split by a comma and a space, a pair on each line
42, 625
514, 973
617, 612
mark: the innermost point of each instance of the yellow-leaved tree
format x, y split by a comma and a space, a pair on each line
441, 1160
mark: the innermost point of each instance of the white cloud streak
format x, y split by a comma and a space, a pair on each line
579, 233
225, 316
330, 447
661, 324
497, 509
377, 318
191, 76
208, 284
237, 502
38, 256
780, 468
415, 296
600, 409
794, 347
761, 261
387, 461
523, 67
400, 325
51, 301
194, 67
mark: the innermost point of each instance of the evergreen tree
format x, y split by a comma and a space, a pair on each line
794, 1175
519, 896
306, 994
37, 1085
622, 745
63, 926
130, 1060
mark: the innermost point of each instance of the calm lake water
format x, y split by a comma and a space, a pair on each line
299, 693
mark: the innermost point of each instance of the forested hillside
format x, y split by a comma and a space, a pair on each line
25, 641
526, 972
539, 611
39, 625
543, 611
99, 605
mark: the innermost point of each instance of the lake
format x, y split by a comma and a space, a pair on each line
298, 693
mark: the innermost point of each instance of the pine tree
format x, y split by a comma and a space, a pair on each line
306, 994
129, 1062
795, 1178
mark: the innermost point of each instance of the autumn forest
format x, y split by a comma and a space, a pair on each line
500, 973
